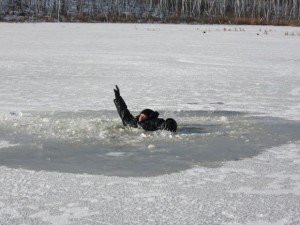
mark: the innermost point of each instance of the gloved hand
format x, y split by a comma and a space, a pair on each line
117, 92
170, 125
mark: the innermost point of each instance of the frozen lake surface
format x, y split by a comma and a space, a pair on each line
65, 157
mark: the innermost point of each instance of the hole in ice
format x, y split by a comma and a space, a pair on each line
95, 142
217, 103
193, 103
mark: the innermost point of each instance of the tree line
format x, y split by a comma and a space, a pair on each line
208, 11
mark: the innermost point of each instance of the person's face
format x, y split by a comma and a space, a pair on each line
142, 117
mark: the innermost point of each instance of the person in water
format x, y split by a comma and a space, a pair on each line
147, 119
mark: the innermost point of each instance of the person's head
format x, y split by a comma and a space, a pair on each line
144, 114
171, 125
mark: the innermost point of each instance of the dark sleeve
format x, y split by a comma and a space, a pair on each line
153, 124
124, 113
160, 123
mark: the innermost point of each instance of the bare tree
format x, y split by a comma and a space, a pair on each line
266, 10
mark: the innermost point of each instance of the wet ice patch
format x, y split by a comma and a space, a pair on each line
96, 142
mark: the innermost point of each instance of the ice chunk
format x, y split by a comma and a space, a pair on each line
151, 146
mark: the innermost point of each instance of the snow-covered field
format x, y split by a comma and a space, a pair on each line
237, 86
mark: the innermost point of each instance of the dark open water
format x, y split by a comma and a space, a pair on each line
95, 142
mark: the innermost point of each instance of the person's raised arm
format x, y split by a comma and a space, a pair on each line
124, 113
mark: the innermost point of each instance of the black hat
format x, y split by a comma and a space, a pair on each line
147, 112
171, 125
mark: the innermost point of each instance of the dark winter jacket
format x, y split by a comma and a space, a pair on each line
152, 123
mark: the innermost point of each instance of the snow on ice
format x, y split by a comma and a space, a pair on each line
239, 84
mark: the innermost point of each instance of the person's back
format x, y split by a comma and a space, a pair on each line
147, 119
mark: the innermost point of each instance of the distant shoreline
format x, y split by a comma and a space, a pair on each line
196, 21
236, 12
